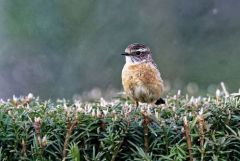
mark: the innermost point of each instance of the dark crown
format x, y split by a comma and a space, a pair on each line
137, 47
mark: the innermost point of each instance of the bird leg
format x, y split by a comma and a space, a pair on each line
137, 104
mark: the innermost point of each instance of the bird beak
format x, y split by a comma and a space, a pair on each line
126, 54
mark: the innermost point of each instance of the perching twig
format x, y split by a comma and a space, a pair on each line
187, 133
70, 127
116, 150
145, 131
24, 148
201, 134
37, 127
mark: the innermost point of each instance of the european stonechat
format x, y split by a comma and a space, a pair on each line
141, 78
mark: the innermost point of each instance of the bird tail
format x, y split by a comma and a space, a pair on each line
159, 101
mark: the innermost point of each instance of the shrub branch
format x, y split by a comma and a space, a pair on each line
188, 137
145, 131
70, 127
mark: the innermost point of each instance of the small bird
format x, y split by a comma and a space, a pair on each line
141, 78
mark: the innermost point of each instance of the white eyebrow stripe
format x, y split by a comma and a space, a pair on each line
141, 50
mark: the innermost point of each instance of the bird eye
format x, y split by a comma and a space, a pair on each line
138, 53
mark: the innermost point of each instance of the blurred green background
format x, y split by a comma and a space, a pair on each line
65, 48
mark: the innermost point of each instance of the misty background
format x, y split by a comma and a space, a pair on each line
64, 48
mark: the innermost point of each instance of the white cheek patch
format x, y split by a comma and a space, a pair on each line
128, 59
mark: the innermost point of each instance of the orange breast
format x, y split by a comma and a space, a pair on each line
142, 82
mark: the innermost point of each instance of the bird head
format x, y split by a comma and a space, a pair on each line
137, 53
